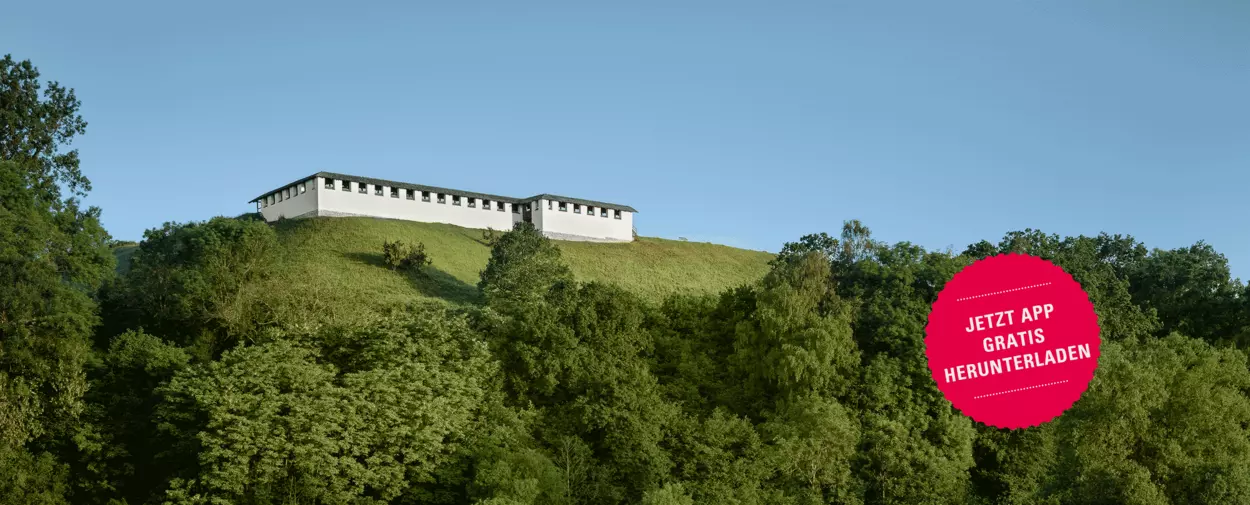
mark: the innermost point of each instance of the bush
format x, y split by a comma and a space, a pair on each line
489, 236
401, 256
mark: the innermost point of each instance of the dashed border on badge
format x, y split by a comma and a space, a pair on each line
1019, 389
1003, 291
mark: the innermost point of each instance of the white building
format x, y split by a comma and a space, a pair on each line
339, 195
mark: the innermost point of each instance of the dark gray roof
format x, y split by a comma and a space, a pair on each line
434, 189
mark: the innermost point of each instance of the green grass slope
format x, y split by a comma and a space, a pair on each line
331, 266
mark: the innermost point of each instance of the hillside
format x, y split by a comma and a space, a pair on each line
330, 265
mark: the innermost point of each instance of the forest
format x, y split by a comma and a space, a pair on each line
166, 385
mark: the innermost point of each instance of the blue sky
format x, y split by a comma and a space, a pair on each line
745, 123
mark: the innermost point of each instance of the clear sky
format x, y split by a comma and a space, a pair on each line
744, 123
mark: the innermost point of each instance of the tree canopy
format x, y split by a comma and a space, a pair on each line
53, 258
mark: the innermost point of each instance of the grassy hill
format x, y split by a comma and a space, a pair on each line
331, 266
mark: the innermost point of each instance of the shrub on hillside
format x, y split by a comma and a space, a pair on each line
489, 236
406, 257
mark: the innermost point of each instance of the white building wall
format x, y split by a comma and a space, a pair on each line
540, 209
336, 202
517, 216
568, 224
303, 201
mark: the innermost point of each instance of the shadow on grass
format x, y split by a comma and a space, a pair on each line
431, 281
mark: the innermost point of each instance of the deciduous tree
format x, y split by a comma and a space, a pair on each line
53, 256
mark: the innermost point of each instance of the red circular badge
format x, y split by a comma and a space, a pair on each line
1012, 341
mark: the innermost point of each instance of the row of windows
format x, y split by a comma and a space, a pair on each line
285, 194
590, 209
425, 196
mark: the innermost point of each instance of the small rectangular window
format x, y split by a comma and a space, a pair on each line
500, 206
618, 214
603, 212
516, 209
329, 183
564, 207
302, 189
347, 186
410, 194
455, 199
377, 190
548, 204
425, 196
590, 211
577, 209
269, 199
485, 204
286, 193
264, 202
363, 188
442, 198
394, 192
473, 203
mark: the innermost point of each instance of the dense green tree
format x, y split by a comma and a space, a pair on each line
1163, 421
35, 127
695, 340
508, 466
670, 494
53, 256
580, 354
523, 265
196, 282
688, 358
913, 446
812, 443
356, 415
606, 395
32, 479
820, 243
721, 458
799, 341
119, 442
1015, 466
1193, 293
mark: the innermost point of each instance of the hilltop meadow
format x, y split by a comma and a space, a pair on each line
233, 361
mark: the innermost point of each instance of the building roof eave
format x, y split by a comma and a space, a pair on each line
282, 187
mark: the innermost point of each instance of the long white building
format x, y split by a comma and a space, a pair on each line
339, 195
